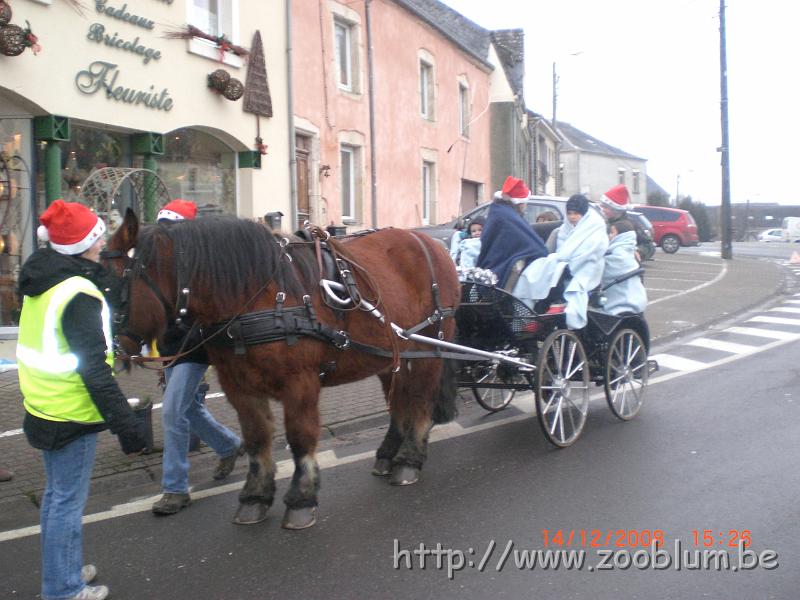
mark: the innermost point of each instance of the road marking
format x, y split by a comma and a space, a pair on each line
719, 276
776, 320
678, 363
723, 346
650, 277
792, 301
767, 333
691, 262
785, 309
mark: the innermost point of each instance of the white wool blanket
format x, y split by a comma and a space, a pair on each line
582, 248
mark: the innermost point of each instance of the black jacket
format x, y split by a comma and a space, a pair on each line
83, 330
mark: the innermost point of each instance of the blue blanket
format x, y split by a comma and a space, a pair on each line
628, 295
507, 238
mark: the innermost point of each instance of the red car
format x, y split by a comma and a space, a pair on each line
672, 227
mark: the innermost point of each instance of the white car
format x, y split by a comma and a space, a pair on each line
771, 235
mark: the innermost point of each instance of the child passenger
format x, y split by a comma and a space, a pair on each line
466, 246
628, 295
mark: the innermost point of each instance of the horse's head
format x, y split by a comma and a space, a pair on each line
142, 311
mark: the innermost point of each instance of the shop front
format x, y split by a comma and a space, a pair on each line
112, 91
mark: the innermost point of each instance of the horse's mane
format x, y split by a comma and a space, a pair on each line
226, 259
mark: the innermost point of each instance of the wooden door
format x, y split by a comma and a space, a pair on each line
303, 151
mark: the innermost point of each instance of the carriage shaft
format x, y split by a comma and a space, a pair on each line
466, 349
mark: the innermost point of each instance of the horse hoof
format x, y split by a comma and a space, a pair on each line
250, 514
382, 467
404, 475
299, 518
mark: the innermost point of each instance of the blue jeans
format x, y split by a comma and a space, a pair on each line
183, 411
68, 472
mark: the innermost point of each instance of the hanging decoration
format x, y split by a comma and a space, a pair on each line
223, 44
234, 90
218, 80
260, 145
5, 13
257, 99
14, 39
221, 82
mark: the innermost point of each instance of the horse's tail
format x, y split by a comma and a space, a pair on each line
444, 400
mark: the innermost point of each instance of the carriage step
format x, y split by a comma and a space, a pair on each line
652, 366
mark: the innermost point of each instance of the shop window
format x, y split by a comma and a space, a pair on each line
197, 166
217, 18
88, 149
16, 240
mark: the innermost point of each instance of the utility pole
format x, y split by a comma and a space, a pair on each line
677, 190
555, 94
725, 209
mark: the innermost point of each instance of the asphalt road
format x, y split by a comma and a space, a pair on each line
712, 452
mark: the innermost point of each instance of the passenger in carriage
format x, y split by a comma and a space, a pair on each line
577, 263
629, 295
507, 237
466, 245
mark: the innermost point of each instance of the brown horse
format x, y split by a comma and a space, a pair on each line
287, 342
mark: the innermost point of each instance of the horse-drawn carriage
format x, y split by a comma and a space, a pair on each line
283, 317
536, 352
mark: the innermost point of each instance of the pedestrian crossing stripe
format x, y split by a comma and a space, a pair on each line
785, 309
677, 363
766, 333
776, 320
793, 302
731, 347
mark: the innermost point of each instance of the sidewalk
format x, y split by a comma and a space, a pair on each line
744, 285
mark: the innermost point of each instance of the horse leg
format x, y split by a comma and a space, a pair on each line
301, 416
258, 493
388, 448
413, 406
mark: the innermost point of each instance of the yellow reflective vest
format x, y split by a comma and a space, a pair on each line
48, 377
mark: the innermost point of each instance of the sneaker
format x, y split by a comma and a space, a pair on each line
169, 504
88, 573
92, 592
226, 464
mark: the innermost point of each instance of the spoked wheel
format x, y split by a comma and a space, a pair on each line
626, 374
562, 387
491, 398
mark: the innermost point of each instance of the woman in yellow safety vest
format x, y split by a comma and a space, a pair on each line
65, 359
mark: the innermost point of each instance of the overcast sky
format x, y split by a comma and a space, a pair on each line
643, 75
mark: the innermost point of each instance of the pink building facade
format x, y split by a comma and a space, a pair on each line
430, 119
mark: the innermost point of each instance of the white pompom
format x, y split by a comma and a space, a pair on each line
42, 234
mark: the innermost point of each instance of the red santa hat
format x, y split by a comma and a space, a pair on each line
178, 210
70, 227
515, 189
617, 198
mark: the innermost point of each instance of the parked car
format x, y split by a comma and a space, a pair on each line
535, 206
771, 235
672, 227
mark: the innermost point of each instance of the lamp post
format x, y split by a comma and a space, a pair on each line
677, 191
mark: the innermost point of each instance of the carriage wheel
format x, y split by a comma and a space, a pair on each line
492, 399
562, 387
626, 374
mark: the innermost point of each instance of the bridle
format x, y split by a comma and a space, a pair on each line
133, 268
